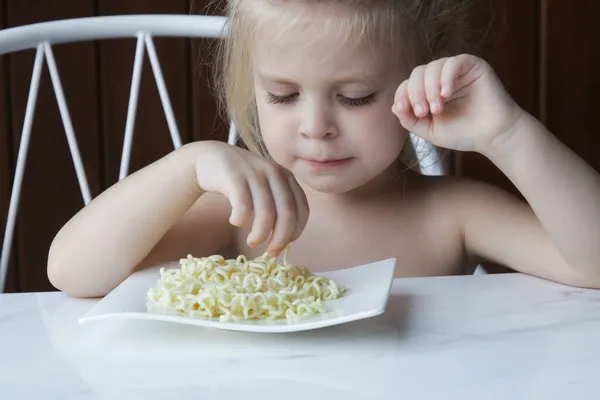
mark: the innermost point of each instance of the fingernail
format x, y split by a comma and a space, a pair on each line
274, 251
419, 109
435, 105
446, 91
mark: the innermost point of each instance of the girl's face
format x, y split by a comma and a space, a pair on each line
325, 109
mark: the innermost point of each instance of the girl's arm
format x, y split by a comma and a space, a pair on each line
161, 213
459, 103
564, 193
105, 242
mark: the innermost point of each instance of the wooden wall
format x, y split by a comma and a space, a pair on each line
549, 59
545, 51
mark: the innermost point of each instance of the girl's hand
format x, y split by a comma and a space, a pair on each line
258, 190
457, 103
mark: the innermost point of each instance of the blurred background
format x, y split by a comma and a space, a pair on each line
547, 53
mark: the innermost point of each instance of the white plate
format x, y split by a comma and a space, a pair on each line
368, 288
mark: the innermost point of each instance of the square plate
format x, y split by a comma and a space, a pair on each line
367, 292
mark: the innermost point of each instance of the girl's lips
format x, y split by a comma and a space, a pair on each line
329, 164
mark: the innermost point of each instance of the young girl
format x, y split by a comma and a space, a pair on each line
324, 94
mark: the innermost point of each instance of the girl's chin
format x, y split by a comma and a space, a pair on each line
331, 184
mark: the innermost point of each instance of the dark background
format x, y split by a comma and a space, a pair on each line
545, 51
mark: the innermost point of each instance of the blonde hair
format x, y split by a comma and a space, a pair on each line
417, 31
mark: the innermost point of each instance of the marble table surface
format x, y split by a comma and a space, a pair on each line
470, 337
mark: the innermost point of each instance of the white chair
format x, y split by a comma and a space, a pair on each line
43, 36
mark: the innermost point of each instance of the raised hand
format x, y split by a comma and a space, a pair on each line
457, 103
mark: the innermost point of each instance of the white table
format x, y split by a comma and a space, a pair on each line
472, 337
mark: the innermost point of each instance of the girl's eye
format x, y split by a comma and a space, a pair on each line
357, 102
347, 101
274, 99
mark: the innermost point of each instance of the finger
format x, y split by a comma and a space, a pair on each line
416, 92
264, 211
406, 116
286, 218
401, 100
402, 107
240, 199
453, 71
302, 210
433, 86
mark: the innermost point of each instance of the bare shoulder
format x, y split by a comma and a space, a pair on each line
469, 204
453, 193
499, 227
475, 219
445, 204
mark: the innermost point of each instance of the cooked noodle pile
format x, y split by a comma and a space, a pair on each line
241, 289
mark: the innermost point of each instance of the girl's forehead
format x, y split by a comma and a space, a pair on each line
292, 31
316, 40
346, 65
320, 41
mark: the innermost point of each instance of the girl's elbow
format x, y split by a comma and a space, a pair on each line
584, 277
63, 278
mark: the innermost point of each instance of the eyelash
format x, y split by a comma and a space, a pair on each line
362, 101
347, 101
274, 99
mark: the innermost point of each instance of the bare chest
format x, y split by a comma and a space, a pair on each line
332, 242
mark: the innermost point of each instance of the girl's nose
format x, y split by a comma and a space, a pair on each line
317, 122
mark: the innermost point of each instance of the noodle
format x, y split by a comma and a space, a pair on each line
235, 290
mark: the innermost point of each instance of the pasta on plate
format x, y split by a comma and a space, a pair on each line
241, 289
